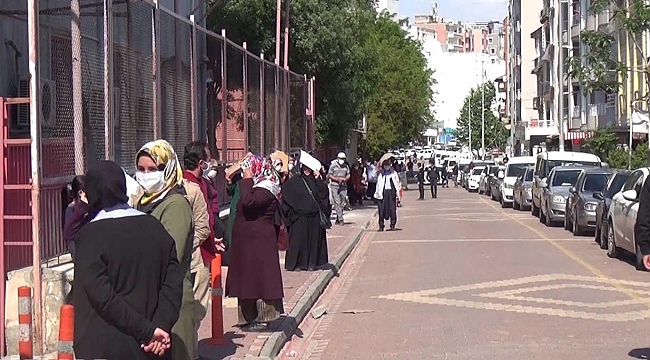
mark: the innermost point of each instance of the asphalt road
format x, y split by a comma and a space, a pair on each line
465, 279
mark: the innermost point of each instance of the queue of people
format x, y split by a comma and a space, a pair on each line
143, 252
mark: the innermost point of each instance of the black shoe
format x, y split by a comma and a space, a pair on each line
256, 327
381, 229
392, 228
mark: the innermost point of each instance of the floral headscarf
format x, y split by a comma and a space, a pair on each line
163, 154
264, 175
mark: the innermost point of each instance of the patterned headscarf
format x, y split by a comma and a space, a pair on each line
163, 154
264, 175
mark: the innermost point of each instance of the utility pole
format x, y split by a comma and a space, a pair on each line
482, 110
560, 72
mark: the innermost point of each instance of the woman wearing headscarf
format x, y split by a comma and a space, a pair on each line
304, 197
387, 195
76, 214
161, 176
127, 276
254, 275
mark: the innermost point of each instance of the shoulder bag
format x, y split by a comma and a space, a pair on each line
325, 221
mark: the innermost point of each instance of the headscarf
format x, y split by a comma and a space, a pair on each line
105, 187
163, 154
264, 175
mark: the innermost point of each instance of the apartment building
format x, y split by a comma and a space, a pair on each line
391, 6
521, 52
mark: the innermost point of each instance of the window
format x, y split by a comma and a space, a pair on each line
595, 182
565, 177
490, 40
493, 51
616, 184
477, 171
529, 175
629, 184
515, 170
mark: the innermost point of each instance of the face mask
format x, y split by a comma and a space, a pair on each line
278, 168
209, 174
290, 166
341, 161
151, 182
387, 167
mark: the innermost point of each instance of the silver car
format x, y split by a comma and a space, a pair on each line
522, 193
581, 205
555, 192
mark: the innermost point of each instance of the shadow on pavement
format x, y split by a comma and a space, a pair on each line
218, 352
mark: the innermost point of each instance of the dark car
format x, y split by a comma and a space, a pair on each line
604, 198
522, 193
581, 204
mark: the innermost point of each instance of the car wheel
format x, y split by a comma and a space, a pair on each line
577, 231
612, 250
603, 236
639, 260
534, 209
548, 222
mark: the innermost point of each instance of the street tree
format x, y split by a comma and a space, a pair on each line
398, 105
496, 135
600, 69
326, 41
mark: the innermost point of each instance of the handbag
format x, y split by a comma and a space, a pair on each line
283, 238
325, 221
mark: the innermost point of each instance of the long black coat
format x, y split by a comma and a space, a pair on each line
642, 226
127, 282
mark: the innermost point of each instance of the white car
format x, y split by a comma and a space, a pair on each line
475, 178
514, 168
622, 218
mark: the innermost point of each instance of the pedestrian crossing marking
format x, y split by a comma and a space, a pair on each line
573, 309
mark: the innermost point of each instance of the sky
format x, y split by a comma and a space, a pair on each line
466, 10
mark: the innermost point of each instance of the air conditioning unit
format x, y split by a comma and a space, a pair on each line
47, 111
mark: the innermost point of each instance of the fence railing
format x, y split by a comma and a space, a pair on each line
116, 74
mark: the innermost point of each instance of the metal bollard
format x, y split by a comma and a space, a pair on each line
66, 333
25, 341
217, 302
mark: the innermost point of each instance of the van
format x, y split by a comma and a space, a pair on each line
546, 161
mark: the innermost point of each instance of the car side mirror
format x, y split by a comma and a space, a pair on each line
501, 175
598, 195
630, 195
572, 190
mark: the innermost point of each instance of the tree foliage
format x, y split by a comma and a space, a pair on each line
400, 96
332, 41
496, 135
603, 144
599, 68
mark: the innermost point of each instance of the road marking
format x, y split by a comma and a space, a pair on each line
435, 297
573, 256
471, 240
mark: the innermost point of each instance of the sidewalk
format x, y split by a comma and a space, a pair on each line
296, 285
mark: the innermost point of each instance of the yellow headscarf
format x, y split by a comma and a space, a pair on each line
163, 154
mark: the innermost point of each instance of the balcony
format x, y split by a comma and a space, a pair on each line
536, 66
575, 25
604, 20
536, 127
576, 118
592, 22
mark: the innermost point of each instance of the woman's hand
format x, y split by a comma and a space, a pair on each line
248, 173
160, 342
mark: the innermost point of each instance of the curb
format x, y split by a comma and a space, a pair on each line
278, 338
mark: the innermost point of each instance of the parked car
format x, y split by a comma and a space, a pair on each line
484, 184
547, 161
622, 218
522, 196
554, 193
580, 212
604, 198
474, 178
495, 184
513, 169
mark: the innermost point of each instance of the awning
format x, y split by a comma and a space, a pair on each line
578, 135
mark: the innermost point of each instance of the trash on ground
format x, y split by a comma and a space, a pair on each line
318, 312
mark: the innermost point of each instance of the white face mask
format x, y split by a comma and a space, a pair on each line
341, 161
151, 182
290, 166
209, 174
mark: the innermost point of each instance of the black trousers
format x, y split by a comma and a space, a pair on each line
387, 209
434, 188
421, 188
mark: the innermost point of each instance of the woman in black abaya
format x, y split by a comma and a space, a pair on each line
307, 239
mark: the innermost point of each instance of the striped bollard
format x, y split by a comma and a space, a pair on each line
217, 301
25, 342
66, 333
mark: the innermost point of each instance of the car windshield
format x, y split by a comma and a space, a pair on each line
565, 178
477, 171
529, 175
617, 184
553, 163
515, 170
595, 182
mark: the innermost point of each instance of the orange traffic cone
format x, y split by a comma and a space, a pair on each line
25, 342
217, 302
66, 333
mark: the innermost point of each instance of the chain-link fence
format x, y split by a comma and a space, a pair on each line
115, 74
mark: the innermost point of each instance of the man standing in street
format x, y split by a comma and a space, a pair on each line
421, 181
338, 175
433, 181
642, 225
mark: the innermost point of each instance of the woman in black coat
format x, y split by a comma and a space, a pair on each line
128, 284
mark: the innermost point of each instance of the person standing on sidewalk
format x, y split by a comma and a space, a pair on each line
387, 195
338, 175
371, 178
433, 181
